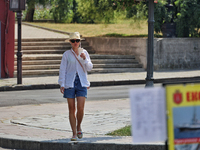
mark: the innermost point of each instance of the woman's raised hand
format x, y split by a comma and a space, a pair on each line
83, 56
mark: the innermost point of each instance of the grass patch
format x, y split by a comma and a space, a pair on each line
128, 35
124, 35
126, 28
125, 131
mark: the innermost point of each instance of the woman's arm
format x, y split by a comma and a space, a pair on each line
62, 70
87, 61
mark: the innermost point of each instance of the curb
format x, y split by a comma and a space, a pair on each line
58, 145
164, 81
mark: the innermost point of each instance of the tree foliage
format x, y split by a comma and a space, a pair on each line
160, 16
185, 12
94, 11
188, 18
62, 10
31, 8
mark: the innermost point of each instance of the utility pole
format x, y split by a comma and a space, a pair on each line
150, 50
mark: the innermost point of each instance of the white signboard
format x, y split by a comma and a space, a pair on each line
148, 115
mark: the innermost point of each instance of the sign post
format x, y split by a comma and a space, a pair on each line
150, 50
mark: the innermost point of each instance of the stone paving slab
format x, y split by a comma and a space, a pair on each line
33, 32
30, 120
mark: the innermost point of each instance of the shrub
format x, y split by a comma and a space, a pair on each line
96, 11
185, 14
188, 20
42, 14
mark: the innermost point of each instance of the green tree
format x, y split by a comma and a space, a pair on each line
137, 10
76, 15
95, 11
160, 16
31, 8
188, 18
62, 10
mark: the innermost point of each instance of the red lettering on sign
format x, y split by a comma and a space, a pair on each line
193, 96
188, 96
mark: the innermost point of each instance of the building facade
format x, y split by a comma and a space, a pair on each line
7, 40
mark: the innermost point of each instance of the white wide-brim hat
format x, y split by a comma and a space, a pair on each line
73, 35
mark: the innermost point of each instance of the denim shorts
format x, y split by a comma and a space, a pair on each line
76, 91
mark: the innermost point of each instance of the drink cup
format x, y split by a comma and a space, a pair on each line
80, 50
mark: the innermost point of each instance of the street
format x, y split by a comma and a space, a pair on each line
26, 97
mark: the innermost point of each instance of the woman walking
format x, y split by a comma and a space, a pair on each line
74, 83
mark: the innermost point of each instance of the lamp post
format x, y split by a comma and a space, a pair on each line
18, 6
150, 50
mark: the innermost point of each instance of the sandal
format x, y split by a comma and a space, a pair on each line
79, 134
74, 138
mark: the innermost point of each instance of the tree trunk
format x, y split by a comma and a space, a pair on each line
186, 32
30, 11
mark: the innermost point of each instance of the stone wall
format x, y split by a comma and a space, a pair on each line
120, 46
177, 53
169, 53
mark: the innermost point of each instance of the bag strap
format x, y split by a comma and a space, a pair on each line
78, 60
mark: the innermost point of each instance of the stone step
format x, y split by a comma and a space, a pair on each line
52, 47
92, 56
39, 67
26, 73
56, 71
49, 51
59, 51
41, 39
47, 43
42, 57
117, 66
111, 61
115, 70
57, 66
94, 61
103, 56
40, 62
59, 56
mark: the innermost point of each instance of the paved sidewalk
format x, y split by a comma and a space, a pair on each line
50, 121
102, 79
39, 126
32, 32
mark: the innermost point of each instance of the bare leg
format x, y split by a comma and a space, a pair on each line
72, 116
80, 111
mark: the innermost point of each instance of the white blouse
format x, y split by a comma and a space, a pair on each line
70, 66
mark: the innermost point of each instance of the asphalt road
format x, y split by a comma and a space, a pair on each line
25, 97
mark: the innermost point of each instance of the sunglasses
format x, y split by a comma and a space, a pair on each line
73, 41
